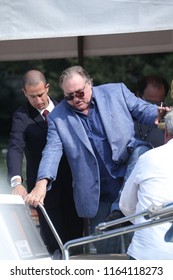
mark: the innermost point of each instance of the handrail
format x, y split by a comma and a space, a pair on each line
57, 237
154, 215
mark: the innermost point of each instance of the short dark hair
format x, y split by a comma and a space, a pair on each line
151, 79
33, 77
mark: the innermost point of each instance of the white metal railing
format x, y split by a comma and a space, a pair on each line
154, 215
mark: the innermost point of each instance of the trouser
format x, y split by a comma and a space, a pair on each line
110, 245
115, 244
130, 165
137, 152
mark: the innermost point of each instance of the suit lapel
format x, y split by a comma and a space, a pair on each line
79, 129
104, 110
35, 115
37, 118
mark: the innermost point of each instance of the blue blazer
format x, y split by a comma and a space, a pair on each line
118, 107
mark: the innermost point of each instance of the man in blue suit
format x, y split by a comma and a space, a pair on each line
28, 137
94, 126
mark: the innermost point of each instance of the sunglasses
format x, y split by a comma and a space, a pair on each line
78, 93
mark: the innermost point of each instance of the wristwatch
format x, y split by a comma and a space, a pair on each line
15, 184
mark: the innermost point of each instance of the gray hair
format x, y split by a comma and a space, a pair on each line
169, 122
69, 72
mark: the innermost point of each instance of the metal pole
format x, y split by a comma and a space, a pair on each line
80, 44
58, 239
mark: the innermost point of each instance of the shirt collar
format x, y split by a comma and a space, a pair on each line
50, 107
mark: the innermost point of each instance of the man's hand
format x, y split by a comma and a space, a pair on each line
20, 190
161, 113
38, 193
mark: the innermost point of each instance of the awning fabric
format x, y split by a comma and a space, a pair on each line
33, 29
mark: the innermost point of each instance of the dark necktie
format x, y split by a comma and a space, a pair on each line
45, 113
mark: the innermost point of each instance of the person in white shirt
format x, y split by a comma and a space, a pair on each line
151, 182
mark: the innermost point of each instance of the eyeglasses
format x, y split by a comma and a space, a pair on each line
78, 93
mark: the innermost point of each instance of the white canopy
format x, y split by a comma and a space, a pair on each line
38, 29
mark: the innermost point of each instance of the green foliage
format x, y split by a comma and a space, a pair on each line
127, 69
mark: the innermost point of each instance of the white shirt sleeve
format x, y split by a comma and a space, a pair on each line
129, 195
15, 177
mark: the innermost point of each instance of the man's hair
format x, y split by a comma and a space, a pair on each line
155, 81
169, 122
69, 72
33, 78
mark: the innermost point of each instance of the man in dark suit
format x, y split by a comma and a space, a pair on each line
28, 137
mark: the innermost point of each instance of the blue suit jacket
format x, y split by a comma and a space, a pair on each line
117, 107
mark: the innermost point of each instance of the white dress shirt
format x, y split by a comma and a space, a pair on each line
151, 182
50, 107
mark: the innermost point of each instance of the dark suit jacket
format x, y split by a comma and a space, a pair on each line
28, 137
